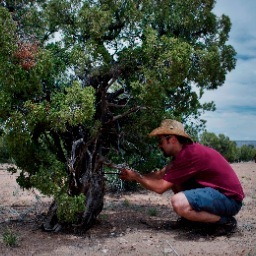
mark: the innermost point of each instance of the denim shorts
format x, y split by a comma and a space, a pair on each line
212, 201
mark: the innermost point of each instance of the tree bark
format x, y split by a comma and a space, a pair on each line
85, 176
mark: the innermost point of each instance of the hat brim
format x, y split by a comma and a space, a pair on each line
163, 131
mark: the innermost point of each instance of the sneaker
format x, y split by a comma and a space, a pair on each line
226, 228
180, 223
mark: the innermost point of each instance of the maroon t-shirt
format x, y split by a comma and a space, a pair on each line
200, 166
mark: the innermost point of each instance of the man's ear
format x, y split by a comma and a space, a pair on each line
173, 139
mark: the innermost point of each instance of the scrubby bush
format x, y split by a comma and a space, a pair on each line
247, 153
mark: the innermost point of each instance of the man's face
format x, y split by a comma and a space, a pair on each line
164, 144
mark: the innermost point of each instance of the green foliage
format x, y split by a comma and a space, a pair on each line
152, 212
4, 155
73, 107
69, 207
50, 182
247, 153
10, 238
126, 203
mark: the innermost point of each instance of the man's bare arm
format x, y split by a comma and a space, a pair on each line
151, 182
156, 174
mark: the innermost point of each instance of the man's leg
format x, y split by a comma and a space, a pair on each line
182, 207
209, 206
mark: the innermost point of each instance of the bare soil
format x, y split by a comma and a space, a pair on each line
121, 229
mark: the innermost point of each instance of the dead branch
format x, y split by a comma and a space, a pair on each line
132, 110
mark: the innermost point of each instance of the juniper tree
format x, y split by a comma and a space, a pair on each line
83, 82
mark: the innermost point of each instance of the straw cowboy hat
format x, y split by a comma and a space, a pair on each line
172, 127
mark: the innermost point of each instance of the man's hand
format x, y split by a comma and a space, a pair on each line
129, 175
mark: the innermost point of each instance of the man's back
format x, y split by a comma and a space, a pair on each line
206, 167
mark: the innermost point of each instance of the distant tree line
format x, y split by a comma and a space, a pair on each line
228, 148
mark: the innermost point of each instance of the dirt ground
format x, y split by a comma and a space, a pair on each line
121, 229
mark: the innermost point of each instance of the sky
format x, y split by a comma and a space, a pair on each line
235, 114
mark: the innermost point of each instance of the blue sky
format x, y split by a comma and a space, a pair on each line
235, 101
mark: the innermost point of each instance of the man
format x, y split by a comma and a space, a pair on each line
206, 188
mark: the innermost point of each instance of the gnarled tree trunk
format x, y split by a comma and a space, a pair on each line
86, 176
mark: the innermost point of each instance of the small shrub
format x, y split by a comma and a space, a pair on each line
69, 207
152, 212
126, 203
10, 238
103, 217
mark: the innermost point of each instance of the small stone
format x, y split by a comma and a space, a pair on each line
167, 250
128, 230
122, 241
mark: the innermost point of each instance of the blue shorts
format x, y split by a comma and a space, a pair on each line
212, 201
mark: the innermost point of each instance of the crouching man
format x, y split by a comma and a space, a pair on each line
206, 188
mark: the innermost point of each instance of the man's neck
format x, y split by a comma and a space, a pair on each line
177, 149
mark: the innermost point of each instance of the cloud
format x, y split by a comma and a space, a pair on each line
233, 125
235, 100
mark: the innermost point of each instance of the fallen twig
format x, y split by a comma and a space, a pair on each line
172, 248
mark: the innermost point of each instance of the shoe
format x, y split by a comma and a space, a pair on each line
180, 223
226, 228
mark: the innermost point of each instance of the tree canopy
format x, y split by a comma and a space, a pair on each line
83, 81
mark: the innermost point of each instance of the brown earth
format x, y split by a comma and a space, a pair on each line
120, 229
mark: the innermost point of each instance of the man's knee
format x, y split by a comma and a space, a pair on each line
180, 203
